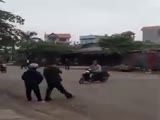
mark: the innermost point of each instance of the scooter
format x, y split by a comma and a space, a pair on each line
89, 76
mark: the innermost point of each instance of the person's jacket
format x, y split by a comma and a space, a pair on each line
32, 77
96, 68
52, 75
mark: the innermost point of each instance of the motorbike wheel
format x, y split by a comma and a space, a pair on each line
81, 81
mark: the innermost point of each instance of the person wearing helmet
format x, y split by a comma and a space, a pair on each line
32, 78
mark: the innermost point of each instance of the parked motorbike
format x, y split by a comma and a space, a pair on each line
90, 76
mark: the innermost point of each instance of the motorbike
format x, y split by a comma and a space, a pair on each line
89, 76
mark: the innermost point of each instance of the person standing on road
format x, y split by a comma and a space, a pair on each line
67, 64
3, 68
26, 64
32, 78
53, 78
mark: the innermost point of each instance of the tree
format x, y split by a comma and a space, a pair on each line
129, 34
120, 42
46, 47
29, 40
31, 37
9, 34
7, 30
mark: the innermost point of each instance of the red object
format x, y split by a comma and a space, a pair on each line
62, 37
65, 36
152, 60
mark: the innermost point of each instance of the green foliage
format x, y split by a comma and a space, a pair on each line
128, 34
124, 42
31, 37
44, 47
9, 34
150, 46
120, 42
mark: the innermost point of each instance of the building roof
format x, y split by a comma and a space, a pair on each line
60, 35
87, 37
67, 36
151, 27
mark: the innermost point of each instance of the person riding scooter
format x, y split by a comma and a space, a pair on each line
95, 67
94, 73
96, 70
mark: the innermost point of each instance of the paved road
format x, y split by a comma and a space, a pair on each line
126, 96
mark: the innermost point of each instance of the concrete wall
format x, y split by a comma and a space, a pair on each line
152, 35
89, 39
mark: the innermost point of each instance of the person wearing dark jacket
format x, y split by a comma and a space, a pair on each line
32, 78
67, 64
53, 78
26, 64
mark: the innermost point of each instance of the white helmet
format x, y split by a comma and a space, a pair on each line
33, 65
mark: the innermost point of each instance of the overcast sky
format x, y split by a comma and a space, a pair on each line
81, 17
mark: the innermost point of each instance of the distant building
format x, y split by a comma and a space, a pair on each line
151, 33
58, 38
89, 39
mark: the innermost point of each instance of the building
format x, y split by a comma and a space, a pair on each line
58, 38
89, 39
151, 33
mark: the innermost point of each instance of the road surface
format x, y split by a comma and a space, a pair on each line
126, 96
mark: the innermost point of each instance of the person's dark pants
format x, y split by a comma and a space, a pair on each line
35, 89
97, 75
59, 87
67, 67
24, 66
